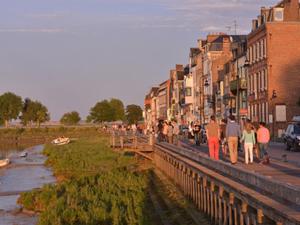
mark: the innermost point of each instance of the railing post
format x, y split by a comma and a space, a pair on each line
151, 139
260, 216
113, 141
122, 142
135, 141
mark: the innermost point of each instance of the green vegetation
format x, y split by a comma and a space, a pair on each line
96, 186
101, 112
70, 118
107, 111
47, 132
34, 112
10, 107
118, 109
134, 113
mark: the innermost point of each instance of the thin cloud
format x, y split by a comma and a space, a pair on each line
25, 30
50, 15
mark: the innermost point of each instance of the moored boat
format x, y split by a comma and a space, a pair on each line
23, 154
61, 141
4, 162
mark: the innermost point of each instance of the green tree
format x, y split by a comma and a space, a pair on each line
27, 112
10, 107
118, 109
134, 113
34, 112
101, 112
42, 115
70, 118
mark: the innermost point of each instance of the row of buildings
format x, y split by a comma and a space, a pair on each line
255, 76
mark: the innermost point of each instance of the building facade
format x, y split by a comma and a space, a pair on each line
274, 57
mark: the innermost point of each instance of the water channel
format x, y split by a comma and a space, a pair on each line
23, 174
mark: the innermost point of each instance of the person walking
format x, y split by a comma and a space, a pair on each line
263, 138
233, 132
170, 133
213, 137
165, 131
175, 132
196, 131
223, 137
249, 141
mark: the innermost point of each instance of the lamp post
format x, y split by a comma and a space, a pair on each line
206, 84
274, 96
246, 66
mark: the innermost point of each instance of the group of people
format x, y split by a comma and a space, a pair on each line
230, 133
196, 131
168, 131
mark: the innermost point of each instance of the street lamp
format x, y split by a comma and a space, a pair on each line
274, 96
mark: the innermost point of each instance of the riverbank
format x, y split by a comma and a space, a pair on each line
97, 185
20, 138
21, 175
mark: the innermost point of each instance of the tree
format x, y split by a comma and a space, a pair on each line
70, 118
118, 109
101, 112
34, 111
27, 112
42, 115
10, 107
134, 113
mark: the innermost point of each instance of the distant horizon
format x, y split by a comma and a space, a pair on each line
71, 54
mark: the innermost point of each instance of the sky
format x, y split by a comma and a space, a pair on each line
70, 54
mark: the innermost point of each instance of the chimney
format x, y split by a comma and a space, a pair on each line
291, 10
179, 67
254, 25
226, 43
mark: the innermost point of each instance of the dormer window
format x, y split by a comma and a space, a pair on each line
278, 14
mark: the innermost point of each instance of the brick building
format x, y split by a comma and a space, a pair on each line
176, 93
274, 71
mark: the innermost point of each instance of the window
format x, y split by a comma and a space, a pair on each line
253, 53
266, 79
267, 112
259, 81
188, 92
255, 85
262, 79
259, 49
264, 47
263, 112
278, 14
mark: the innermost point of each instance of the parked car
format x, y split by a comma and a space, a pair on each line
292, 136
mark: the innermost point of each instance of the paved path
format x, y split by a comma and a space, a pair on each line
277, 150
286, 172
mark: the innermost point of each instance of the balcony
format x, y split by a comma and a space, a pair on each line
234, 85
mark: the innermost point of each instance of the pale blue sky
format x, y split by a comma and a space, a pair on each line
69, 54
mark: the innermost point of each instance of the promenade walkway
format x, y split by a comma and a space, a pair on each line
286, 172
251, 194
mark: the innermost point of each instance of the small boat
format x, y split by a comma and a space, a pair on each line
61, 141
23, 154
4, 162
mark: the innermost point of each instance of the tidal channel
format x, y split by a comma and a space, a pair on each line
23, 174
